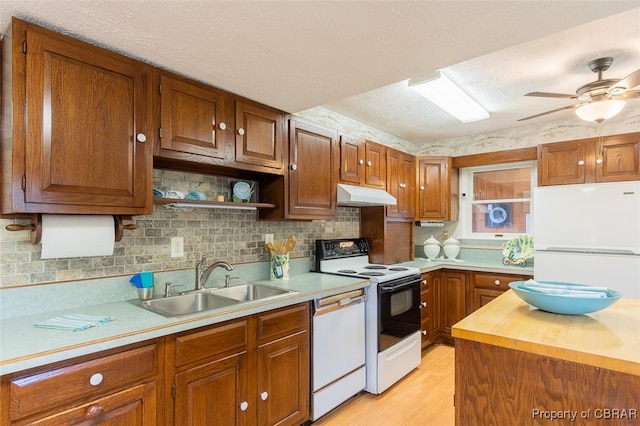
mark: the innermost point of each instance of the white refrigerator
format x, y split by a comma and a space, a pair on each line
589, 234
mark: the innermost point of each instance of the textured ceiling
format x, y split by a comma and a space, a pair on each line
354, 57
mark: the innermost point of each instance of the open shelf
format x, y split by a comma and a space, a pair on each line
211, 204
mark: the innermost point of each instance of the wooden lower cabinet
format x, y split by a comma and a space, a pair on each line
430, 307
447, 296
485, 286
249, 371
114, 388
452, 299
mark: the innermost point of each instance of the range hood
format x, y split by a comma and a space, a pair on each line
359, 196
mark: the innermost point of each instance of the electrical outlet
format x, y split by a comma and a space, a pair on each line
268, 238
177, 247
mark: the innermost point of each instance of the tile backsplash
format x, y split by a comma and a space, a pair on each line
231, 235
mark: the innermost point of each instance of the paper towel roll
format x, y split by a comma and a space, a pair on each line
77, 236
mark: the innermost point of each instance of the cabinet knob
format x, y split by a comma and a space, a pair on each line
95, 379
244, 405
222, 126
141, 137
422, 305
241, 131
424, 332
264, 396
368, 163
293, 167
94, 411
424, 282
421, 187
599, 161
581, 163
361, 162
497, 282
402, 185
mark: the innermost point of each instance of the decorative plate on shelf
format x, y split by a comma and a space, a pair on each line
241, 192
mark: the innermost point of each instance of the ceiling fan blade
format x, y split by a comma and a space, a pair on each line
629, 82
551, 95
549, 112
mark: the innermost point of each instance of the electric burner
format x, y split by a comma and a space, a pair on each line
372, 274
346, 271
375, 267
398, 268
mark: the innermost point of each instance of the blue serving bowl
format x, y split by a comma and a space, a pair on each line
564, 304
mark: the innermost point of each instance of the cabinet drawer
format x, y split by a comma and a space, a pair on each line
496, 281
283, 322
52, 388
209, 343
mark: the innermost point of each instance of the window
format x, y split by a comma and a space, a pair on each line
495, 201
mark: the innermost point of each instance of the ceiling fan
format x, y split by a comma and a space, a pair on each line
600, 99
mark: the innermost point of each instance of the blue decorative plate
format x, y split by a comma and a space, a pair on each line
566, 305
241, 191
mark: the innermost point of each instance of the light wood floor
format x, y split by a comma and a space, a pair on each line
424, 397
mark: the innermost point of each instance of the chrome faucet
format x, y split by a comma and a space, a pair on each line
202, 275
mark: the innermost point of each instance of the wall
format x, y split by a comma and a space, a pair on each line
231, 235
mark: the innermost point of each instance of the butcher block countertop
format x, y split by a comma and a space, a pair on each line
609, 338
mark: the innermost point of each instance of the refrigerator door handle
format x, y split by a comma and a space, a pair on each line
590, 250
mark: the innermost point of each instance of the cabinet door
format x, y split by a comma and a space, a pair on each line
452, 298
312, 171
259, 136
433, 192
563, 163
213, 394
487, 286
375, 172
135, 406
283, 381
400, 183
351, 159
191, 118
618, 158
88, 114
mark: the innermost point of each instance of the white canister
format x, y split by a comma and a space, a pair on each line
451, 248
431, 248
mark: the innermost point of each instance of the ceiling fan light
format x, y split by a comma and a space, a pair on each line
450, 98
600, 111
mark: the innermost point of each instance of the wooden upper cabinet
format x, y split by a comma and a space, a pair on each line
375, 160
352, 159
401, 183
436, 192
362, 162
604, 159
259, 135
85, 145
313, 165
618, 158
192, 118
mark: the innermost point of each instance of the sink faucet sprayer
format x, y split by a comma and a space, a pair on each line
203, 275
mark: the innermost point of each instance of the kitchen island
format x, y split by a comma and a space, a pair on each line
516, 364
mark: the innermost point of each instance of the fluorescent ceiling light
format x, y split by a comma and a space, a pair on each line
449, 97
600, 110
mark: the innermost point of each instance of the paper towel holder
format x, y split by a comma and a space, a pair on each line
36, 227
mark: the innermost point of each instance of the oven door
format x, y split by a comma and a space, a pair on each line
398, 310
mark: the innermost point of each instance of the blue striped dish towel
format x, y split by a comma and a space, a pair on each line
74, 322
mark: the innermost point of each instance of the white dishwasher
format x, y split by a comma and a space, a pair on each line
338, 347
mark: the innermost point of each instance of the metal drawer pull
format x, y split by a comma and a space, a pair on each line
140, 137
422, 305
96, 379
497, 282
94, 411
241, 131
222, 126
264, 396
244, 405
